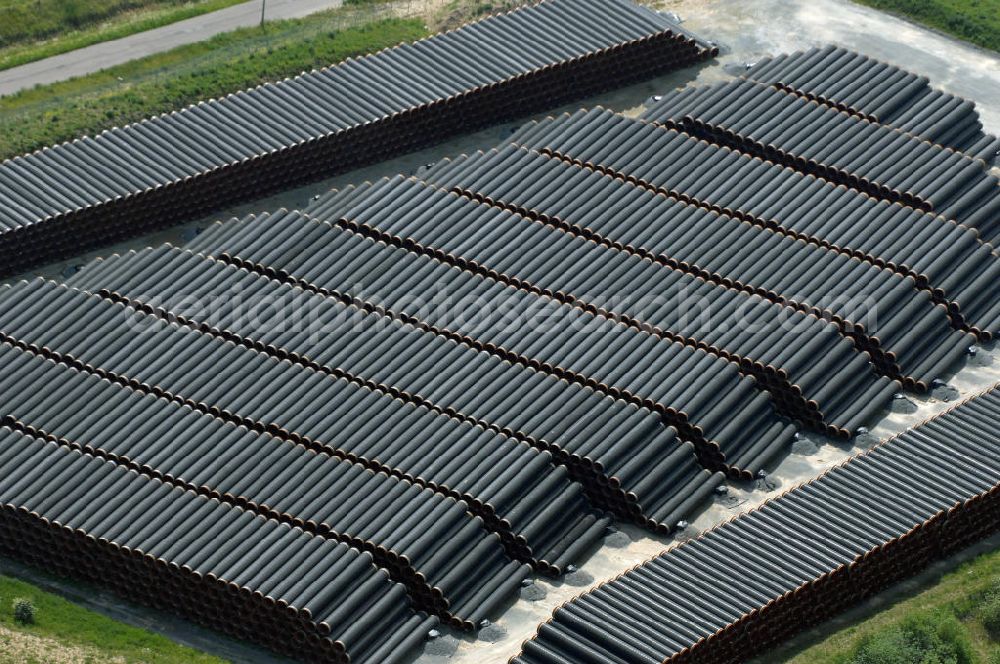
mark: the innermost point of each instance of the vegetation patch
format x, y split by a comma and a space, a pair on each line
24, 611
955, 621
456, 13
230, 62
35, 29
926, 638
988, 611
976, 21
61, 631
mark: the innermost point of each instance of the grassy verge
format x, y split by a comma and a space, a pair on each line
956, 621
64, 631
36, 29
171, 80
459, 12
976, 21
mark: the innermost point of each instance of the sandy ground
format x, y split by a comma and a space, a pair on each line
746, 31
24, 648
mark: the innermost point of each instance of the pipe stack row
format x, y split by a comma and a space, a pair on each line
863, 300
128, 180
540, 515
428, 542
728, 418
777, 345
881, 161
224, 567
943, 258
626, 459
880, 92
798, 559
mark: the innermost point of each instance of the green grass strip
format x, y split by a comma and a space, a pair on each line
33, 30
72, 625
976, 21
168, 81
954, 607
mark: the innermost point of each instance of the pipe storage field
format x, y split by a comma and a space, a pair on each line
268, 582
330, 430
730, 420
426, 541
128, 180
777, 347
880, 92
799, 559
539, 514
713, 246
950, 260
880, 161
626, 459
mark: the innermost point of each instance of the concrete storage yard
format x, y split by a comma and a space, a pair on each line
745, 32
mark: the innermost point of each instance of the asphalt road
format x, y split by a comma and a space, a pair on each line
110, 53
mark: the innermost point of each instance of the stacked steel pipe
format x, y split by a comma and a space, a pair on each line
128, 180
540, 515
798, 559
451, 376
451, 566
777, 345
883, 162
629, 462
947, 259
880, 92
883, 312
232, 570
732, 423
